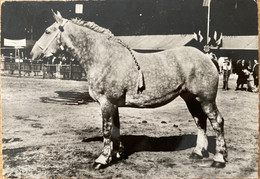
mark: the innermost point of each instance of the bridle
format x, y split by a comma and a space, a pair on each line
45, 46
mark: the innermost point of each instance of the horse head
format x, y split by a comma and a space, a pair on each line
50, 42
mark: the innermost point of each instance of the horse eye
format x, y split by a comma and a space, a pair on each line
47, 31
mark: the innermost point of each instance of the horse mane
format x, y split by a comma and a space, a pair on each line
92, 26
97, 28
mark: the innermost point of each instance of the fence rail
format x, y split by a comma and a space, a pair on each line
47, 70
36, 67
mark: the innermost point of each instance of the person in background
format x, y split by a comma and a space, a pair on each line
226, 73
255, 73
242, 68
250, 79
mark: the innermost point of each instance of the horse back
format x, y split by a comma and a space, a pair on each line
171, 72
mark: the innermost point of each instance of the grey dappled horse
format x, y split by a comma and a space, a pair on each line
120, 77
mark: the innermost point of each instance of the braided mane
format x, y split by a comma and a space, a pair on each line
92, 26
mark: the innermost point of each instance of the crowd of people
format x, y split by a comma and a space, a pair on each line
245, 75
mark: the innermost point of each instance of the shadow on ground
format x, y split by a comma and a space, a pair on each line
69, 98
133, 143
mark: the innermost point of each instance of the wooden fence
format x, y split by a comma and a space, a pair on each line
72, 71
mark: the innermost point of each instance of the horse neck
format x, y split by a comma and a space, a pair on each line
87, 46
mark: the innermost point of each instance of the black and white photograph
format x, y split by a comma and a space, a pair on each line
129, 89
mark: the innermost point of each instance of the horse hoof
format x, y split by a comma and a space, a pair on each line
205, 153
195, 156
218, 164
98, 166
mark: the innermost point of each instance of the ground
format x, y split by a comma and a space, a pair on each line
45, 135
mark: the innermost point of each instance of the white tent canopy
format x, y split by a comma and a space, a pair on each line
156, 42
240, 43
164, 42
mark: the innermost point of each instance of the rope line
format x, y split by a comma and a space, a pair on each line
140, 86
129, 49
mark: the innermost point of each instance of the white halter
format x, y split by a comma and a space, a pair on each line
45, 46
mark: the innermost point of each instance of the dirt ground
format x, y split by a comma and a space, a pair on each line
43, 136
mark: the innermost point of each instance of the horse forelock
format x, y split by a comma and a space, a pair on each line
92, 25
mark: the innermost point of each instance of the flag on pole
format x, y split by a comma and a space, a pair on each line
195, 36
219, 41
215, 35
209, 38
206, 3
200, 36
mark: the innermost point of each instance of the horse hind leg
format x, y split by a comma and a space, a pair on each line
200, 118
217, 122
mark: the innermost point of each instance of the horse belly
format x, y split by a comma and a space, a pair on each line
154, 95
144, 101
163, 83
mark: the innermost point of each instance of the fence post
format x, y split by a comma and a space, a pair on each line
19, 62
3, 64
231, 66
58, 71
43, 71
70, 73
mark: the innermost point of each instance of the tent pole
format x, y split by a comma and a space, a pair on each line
208, 22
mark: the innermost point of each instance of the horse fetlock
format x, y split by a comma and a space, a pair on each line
219, 157
219, 161
106, 156
221, 148
103, 159
120, 152
201, 150
117, 155
112, 150
225, 154
197, 153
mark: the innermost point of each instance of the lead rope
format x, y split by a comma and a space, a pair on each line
140, 86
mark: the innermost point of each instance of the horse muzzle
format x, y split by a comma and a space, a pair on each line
37, 53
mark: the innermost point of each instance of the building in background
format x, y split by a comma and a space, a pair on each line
147, 26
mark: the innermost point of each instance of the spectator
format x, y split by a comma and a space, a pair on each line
226, 74
242, 72
255, 73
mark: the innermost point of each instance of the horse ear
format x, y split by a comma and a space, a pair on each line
53, 13
58, 13
58, 18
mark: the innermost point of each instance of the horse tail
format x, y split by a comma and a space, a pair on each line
216, 64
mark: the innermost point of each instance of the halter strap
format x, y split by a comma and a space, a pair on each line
44, 47
63, 24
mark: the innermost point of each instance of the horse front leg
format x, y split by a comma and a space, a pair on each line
111, 135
